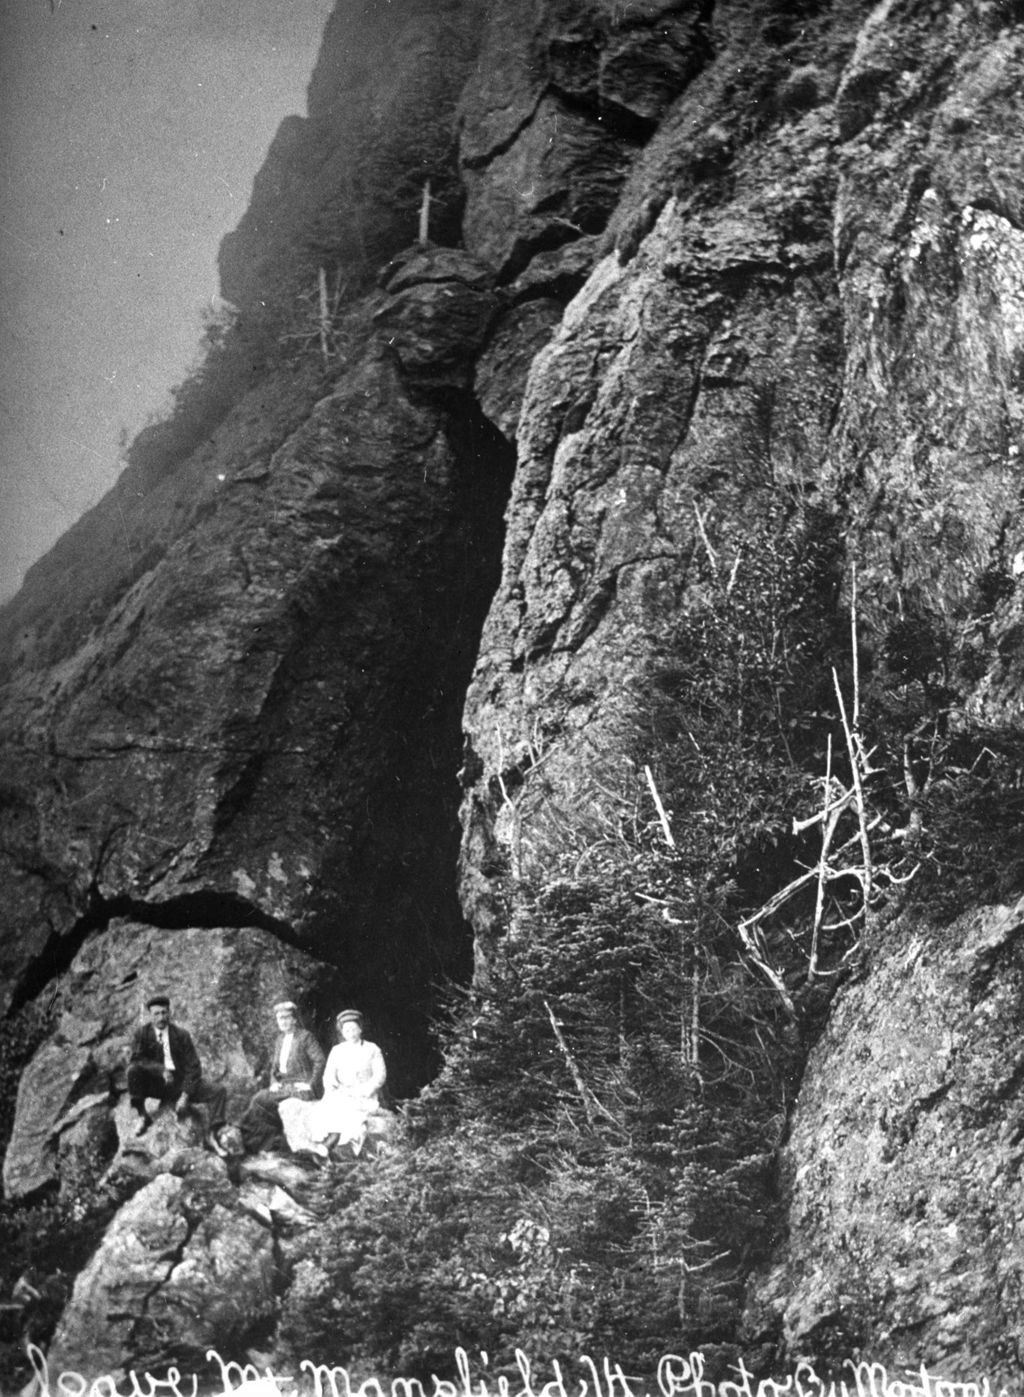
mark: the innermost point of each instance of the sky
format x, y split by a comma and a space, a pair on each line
130, 132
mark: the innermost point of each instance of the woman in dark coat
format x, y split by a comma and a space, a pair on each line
296, 1070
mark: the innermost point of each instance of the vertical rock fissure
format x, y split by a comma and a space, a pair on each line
401, 974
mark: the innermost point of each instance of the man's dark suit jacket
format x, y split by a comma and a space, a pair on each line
305, 1062
147, 1052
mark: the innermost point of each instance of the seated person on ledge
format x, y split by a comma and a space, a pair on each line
297, 1066
163, 1063
353, 1077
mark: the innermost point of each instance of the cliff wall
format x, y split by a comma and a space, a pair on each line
731, 286
205, 655
809, 296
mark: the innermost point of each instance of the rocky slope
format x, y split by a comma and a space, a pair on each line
902, 1171
708, 263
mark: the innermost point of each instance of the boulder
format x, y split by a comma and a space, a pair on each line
273, 1205
182, 1269
423, 263
58, 1069
295, 1177
437, 316
86, 1138
223, 984
167, 1147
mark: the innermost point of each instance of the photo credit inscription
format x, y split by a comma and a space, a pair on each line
676, 1377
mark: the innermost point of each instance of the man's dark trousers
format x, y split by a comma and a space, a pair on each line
146, 1081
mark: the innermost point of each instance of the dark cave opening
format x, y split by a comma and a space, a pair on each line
387, 917
408, 856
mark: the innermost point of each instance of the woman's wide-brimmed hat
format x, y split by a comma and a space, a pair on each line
286, 1004
349, 1016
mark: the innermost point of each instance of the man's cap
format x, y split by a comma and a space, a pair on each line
158, 999
286, 1004
349, 1016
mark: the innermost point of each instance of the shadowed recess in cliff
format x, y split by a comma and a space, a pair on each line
338, 816
386, 911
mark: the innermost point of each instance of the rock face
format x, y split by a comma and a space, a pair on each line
203, 755
224, 983
810, 290
699, 260
903, 1164
561, 99
645, 412
182, 1269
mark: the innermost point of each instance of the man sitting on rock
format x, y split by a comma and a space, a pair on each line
296, 1070
163, 1063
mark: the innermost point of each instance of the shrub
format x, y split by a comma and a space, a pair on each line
577, 1179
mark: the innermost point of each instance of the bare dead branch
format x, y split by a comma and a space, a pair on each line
588, 1100
325, 317
662, 816
856, 759
424, 222
712, 555
829, 821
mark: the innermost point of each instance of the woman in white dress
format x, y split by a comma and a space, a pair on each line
353, 1077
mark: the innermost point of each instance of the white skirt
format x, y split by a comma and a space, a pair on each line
308, 1123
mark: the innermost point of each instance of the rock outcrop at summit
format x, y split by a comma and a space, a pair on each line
342, 186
